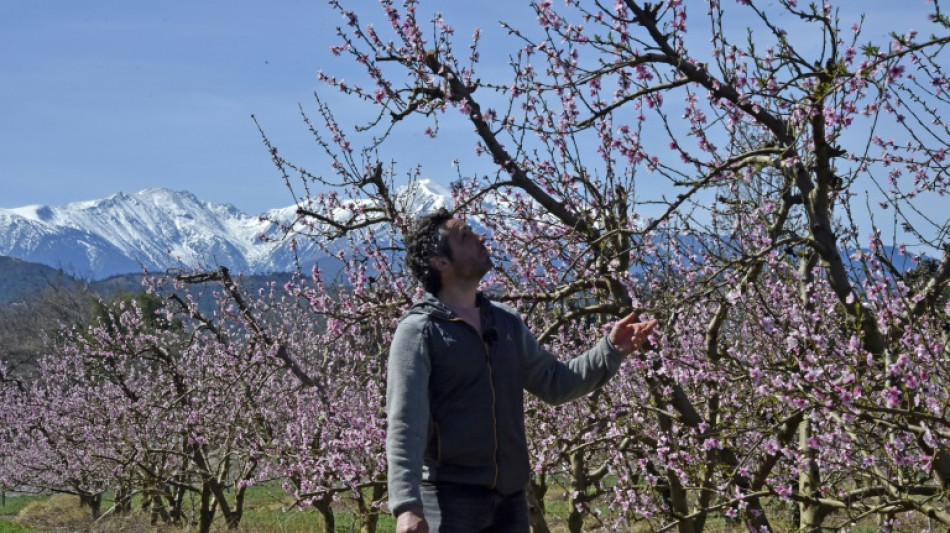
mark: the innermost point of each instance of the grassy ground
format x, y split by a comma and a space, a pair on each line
266, 511
10, 506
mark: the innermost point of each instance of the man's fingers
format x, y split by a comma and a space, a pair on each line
629, 319
642, 330
638, 326
628, 334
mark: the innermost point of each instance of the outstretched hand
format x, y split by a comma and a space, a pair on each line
628, 334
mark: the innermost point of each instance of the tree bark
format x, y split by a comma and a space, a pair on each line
368, 513
575, 518
323, 506
537, 488
811, 514
92, 501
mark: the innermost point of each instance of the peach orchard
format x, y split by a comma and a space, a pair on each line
760, 177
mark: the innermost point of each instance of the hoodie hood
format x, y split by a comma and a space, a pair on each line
432, 306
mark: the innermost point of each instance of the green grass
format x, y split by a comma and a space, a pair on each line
11, 505
267, 510
10, 527
304, 522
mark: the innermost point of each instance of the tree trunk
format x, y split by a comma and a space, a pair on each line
575, 519
123, 501
155, 504
93, 502
369, 513
326, 511
674, 494
809, 480
206, 512
176, 499
238, 512
537, 488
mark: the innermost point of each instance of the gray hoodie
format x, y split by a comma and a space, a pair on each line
455, 400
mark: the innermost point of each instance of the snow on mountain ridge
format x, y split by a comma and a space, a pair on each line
158, 229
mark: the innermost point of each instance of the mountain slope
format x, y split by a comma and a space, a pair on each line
157, 229
19, 280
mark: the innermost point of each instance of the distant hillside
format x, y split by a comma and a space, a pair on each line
37, 301
20, 279
132, 283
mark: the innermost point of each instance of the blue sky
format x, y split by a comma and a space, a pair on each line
103, 96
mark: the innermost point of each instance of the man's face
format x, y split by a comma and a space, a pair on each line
470, 257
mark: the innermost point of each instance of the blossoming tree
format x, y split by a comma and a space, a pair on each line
707, 165
760, 178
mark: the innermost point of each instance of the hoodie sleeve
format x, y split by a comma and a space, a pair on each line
407, 411
555, 381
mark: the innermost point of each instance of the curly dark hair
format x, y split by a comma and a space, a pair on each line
427, 239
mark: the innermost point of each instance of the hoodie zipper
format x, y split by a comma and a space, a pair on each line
491, 385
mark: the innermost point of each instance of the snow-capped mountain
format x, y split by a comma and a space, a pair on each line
159, 229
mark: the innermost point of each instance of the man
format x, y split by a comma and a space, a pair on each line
458, 366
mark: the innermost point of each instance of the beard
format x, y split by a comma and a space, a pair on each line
475, 270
